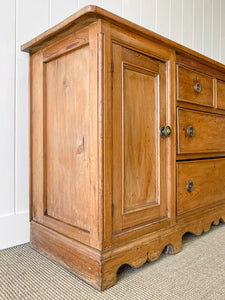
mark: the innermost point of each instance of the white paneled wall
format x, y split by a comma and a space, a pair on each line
222, 32
198, 24
162, 23
216, 30
7, 103
59, 10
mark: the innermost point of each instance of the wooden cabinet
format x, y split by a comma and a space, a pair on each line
126, 144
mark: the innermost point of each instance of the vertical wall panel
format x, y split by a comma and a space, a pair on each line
148, 14
114, 6
59, 10
82, 3
131, 10
22, 136
32, 19
7, 76
198, 25
222, 36
163, 17
176, 20
207, 38
216, 30
188, 23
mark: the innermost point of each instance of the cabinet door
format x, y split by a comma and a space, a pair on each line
139, 154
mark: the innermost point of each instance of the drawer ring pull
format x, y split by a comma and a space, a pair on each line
190, 186
190, 131
197, 87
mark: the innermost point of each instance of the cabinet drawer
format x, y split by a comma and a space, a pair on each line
194, 87
220, 94
208, 132
208, 178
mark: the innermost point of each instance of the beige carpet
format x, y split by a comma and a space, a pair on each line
198, 272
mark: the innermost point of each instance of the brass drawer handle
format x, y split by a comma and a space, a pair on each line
190, 186
190, 131
165, 131
197, 87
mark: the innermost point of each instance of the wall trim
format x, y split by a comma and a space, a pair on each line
14, 230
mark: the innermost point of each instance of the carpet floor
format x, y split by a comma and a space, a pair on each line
197, 272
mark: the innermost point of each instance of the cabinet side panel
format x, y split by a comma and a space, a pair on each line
67, 138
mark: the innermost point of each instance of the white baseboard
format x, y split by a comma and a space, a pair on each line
14, 230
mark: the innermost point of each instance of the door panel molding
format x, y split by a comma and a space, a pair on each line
138, 192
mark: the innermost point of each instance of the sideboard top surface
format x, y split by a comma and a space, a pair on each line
92, 13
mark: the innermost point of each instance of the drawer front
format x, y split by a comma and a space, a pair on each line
200, 132
194, 87
200, 184
220, 94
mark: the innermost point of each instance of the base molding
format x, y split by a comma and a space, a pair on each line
14, 230
79, 259
99, 268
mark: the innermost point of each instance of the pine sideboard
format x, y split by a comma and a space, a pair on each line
127, 144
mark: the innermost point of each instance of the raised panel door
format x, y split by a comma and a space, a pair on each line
139, 154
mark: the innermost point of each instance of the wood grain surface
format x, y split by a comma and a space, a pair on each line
209, 132
186, 80
208, 177
67, 135
220, 94
136, 156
